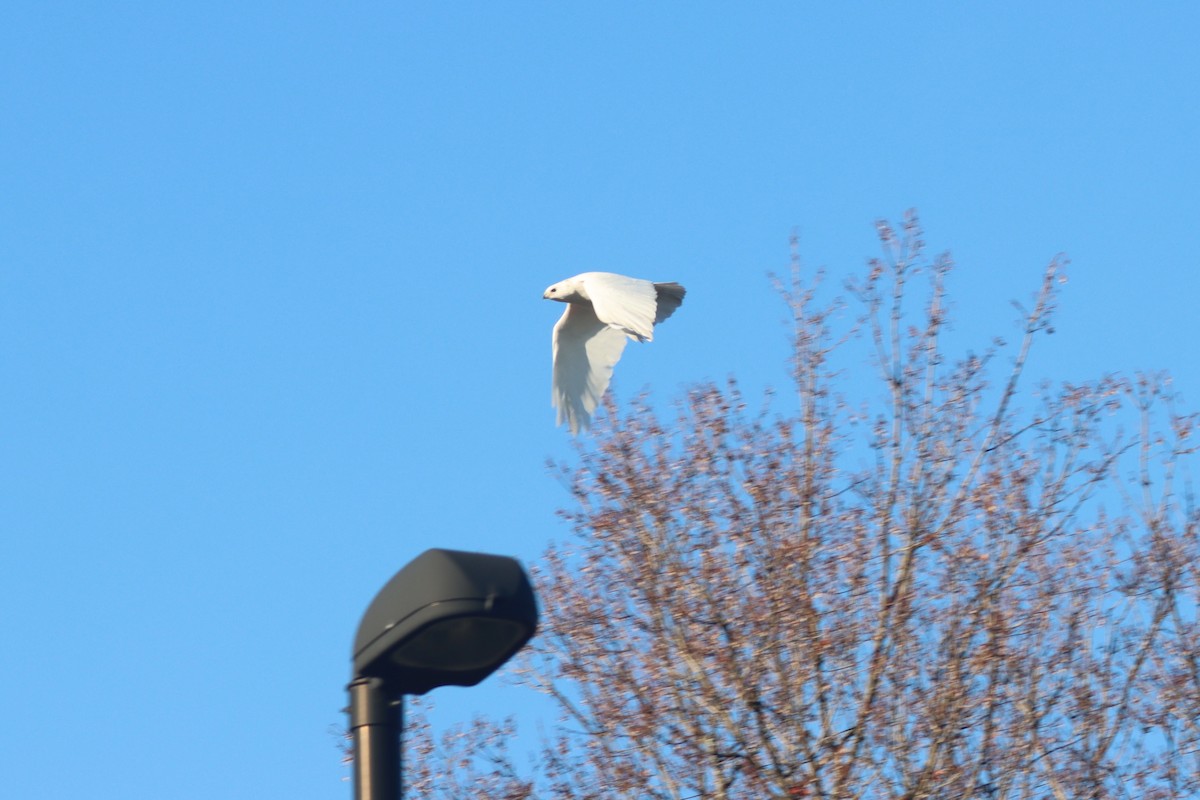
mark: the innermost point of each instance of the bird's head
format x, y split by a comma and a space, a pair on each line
566, 291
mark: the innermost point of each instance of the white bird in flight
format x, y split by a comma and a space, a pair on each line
603, 309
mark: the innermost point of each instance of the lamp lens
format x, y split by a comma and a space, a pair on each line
461, 643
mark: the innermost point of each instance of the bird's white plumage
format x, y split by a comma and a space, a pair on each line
603, 311
624, 303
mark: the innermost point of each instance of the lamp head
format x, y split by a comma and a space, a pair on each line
447, 618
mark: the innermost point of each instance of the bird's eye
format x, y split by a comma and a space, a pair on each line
552, 291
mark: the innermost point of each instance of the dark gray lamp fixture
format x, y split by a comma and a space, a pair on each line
448, 618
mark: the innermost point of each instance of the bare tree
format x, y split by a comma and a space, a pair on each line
944, 587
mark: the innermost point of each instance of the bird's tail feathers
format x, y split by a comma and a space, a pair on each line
670, 297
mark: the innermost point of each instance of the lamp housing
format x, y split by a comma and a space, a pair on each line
448, 618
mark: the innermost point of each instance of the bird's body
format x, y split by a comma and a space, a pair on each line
603, 311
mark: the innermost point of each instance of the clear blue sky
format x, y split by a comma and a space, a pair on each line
270, 298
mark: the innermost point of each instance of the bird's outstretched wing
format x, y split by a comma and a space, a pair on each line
626, 303
586, 349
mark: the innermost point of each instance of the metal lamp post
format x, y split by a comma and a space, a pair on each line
448, 618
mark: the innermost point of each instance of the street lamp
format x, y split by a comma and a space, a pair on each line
448, 618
